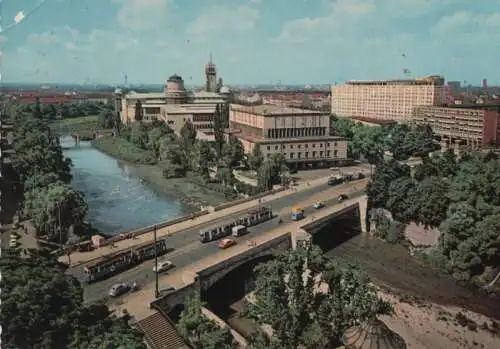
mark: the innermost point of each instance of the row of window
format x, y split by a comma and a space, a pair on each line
299, 146
314, 154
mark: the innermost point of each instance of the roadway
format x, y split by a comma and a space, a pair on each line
188, 248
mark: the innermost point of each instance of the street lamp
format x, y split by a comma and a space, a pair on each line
157, 291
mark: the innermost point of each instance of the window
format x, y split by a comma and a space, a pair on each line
268, 147
291, 146
299, 155
299, 146
314, 145
275, 147
291, 155
307, 154
306, 146
314, 154
335, 144
321, 154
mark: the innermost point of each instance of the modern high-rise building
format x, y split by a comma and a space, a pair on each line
484, 83
386, 99
302, 136
472, 127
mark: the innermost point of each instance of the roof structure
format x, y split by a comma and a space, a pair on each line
372, 335
160, 333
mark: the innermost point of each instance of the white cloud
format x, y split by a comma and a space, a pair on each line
222, 21
44, 38
142, 14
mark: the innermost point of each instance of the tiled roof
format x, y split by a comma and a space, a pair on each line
160, 333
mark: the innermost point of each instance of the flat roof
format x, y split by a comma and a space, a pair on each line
272, 110
494, 107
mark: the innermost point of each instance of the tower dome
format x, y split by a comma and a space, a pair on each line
225, 90
175, 91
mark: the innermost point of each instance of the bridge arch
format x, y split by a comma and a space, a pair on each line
235, 282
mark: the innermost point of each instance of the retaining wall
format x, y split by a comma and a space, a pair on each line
248, 199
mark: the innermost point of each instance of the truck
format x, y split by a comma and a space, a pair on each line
297, 213
336, 180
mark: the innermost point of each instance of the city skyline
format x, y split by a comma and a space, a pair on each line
252, 41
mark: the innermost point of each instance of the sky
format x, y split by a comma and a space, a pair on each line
251, 41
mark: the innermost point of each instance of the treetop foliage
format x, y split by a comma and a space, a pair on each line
461, 198
42, 308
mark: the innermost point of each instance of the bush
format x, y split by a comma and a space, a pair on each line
396, 232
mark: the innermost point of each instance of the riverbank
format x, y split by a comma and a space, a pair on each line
187, 190
79, 124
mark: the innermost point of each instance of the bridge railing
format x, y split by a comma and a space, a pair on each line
140, 231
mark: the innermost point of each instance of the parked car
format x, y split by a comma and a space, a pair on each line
118, 289
318, 205
226, 243
342, 197
166, 290
163, 266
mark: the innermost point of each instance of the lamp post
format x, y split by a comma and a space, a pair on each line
157, 291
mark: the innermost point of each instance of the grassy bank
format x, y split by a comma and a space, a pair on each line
189, 190
79, 124
123, 150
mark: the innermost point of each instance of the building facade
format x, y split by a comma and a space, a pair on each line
463, 127
386, 100
302, 136
176, 105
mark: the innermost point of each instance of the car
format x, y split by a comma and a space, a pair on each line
342, 197
318, 205
226, 243
166, 290
163, 266
118, 289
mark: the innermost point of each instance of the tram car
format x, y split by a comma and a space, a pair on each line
251, 218
119, 261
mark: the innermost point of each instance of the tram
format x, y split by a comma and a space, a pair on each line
119, 261
251, 218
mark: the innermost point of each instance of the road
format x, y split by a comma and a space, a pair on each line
188, 248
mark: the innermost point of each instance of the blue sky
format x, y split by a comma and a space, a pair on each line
253, 41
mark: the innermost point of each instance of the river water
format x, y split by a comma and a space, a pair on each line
118, 199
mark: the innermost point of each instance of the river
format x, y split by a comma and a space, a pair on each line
118, 199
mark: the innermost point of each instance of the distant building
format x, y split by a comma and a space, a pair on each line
176, 105
484, 83
462, 126
386, 99
302, 136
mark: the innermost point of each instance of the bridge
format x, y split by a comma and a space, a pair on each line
277, 199
201, 275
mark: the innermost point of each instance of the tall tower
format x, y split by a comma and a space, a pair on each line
211, 76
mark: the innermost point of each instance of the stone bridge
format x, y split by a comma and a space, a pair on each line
358, 205
207, 277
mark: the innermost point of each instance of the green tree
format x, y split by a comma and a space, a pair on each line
106, 118
138, 112
370, 142
139, 135
431, 201
219, 130
37, 151
42, 308
401, 199
203, 158
256, 158
378, 189
286, 298
272, 171
37, 111
233, 152
342, 127
188, 135
201, 332
397, 142
54, 209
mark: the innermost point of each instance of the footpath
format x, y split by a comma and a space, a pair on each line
77, 258
137, 303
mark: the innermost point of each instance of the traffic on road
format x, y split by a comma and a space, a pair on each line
187, 248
